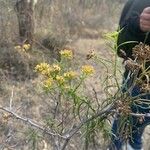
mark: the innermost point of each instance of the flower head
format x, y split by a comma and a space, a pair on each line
66, 54
141, 52
26, 46
70, 75
6, 117
47, 84
43, 68
66, 87
87, 69
90, 55
56, 68
60, 79
18, 47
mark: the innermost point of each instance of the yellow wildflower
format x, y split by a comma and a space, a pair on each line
70, 74
56, 68
66, 53
87, 69
66, 87
18, 47
6, 117
60, 79
26, 46
48, 83
43, 68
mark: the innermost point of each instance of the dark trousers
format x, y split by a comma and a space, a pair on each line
137, 126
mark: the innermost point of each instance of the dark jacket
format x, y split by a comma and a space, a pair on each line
129, 23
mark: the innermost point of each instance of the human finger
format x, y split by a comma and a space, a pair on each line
145, 16
145, 22
144, 28
147, 10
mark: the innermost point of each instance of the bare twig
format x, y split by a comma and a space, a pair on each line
133, 114
96, 97
73, 131
66, 136
38, 43
11, 98
140, 115
32, 123
65, 144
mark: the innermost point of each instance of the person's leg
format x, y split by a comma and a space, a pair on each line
116, 140
135, 139
139, 124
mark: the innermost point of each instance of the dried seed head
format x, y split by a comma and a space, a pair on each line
145, 87
141, 52
90, 55
144, 83
123, 107
131, 65
122, 54
141, 119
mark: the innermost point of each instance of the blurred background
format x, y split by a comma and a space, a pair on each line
62, 18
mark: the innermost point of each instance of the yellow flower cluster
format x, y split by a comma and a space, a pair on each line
24, 47
54, 75
60, 79
88, 69
70, 75
43, 68
56, 68
66, 54
48, 83
46, 69
6, 118
18, 47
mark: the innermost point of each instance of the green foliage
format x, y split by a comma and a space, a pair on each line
32, 137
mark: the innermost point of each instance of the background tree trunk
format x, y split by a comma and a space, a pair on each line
25, 14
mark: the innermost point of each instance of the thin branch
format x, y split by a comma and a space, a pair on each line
32, 123
65, 144
106, 111
72, 132
38, 43
11, 98
140, 115
134, 114
96, 97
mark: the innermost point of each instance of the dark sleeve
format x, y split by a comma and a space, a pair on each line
130, 26
125, 12
132, 21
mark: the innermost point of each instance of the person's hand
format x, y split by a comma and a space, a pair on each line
145, 20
